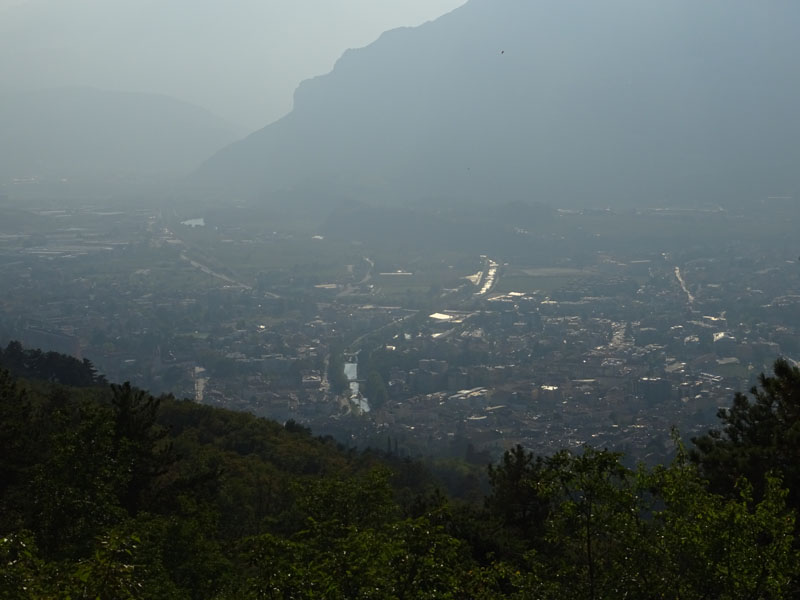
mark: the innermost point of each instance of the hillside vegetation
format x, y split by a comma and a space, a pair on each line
109, 492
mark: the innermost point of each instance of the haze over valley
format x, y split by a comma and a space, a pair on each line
592, 156
86, 135
619, 103
240, 60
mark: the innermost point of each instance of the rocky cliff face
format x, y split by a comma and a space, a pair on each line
573, 103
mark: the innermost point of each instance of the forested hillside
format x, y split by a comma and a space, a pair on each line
109, 492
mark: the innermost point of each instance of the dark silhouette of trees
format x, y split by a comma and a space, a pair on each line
138, 443
50, 366
759, 435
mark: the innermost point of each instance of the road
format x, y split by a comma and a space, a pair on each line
683, 285
208, 271
171, 237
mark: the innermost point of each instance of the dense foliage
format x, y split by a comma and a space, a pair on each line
108, 492
49, 366
757, 436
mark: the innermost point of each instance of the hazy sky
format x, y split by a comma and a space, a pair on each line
239, 58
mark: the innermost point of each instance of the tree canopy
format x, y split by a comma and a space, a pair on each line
759, 435
109, 492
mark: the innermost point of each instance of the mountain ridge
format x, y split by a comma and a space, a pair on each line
589, 105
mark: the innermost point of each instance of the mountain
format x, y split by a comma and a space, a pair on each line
591, 103
84, 133
241, 59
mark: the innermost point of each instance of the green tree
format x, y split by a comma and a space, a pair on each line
353, 545
595, 531
709, 546
74, 487
615, 533
139, 442
21, 573
17, 454
757, 436
522, 492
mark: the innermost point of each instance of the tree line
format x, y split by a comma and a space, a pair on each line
109, 492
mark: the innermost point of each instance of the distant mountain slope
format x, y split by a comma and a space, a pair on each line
592, 103
239, 59
89, 133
